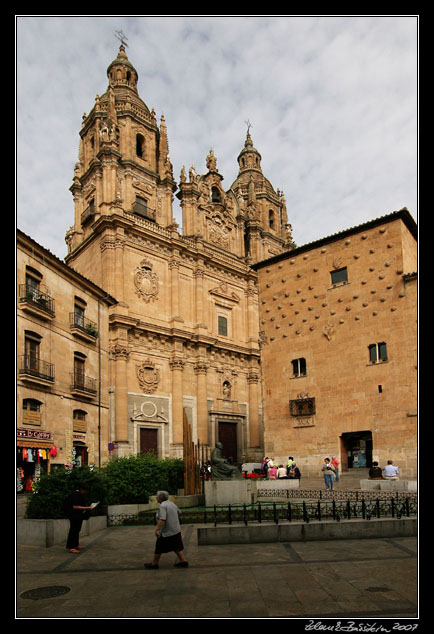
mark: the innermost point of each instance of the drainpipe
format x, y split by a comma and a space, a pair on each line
99, 382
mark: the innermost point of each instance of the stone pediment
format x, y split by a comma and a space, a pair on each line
222, 292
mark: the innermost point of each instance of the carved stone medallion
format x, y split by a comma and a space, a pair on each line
148, 376
146, 282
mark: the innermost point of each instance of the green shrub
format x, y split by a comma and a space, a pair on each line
133, 479
128, 480
49, 492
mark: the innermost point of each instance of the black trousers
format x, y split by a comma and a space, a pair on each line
74, 532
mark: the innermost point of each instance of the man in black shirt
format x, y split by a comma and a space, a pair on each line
77, 507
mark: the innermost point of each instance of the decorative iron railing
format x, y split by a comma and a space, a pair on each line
83, 383
36, 297
33, 366
77, 320
306, 511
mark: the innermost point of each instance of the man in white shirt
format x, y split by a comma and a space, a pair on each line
168, 532
390, 472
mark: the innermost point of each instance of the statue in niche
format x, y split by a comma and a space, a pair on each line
222, 469
226, 390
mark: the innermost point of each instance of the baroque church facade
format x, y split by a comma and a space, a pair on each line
184, 339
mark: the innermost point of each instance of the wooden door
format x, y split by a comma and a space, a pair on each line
228, 438
148, 440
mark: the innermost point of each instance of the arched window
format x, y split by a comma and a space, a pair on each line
140, 145
215, 195
31, 404
271, 221
31, 411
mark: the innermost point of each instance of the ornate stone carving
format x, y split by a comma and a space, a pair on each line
146, 282
329, 331
148, 376
223, 292
119, 351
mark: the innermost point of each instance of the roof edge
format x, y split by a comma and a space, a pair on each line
402, 214
99, 291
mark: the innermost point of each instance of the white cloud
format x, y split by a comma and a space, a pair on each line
332, 101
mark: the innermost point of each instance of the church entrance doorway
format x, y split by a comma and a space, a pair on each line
227, 435
356, 450
148, 440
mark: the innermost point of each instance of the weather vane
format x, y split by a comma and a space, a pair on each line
121, 37
249, 125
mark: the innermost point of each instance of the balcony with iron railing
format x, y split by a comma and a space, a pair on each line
36, 301
33, 369
83, 385
83, 327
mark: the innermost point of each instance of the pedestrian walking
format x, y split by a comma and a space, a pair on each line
168, 533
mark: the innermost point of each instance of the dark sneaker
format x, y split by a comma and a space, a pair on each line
181, 564
151, 566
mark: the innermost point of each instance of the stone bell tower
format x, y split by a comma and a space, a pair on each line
249, 219
263, 210
184, 340
123, 164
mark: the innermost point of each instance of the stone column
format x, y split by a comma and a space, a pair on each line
174, 285
177, 366
120, 353
252, 311
198, 276
119, 268
201, 370
253, 382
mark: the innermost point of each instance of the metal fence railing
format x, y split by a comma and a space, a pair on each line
306, 511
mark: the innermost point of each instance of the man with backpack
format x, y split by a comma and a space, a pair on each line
76, 510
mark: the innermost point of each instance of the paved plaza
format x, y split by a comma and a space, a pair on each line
318, 580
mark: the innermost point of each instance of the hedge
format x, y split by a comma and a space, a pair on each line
129, 480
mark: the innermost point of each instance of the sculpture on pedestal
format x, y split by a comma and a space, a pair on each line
222, 469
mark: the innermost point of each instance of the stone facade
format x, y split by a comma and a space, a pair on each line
62, 363
183, 336
339, 355
264, 346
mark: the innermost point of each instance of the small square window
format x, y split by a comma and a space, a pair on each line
377, 352
298, 367
340, 276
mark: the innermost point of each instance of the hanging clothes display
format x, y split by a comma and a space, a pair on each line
32, 461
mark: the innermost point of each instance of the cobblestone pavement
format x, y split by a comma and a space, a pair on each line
304, 580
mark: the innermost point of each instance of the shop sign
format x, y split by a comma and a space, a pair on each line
34, 434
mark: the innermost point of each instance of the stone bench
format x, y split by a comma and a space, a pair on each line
389, 485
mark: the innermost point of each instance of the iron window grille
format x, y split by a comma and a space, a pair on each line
302, 406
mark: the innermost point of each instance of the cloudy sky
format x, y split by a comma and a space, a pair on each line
333, 103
